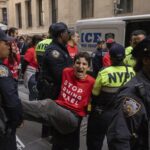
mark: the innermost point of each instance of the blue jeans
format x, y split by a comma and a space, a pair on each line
33, 92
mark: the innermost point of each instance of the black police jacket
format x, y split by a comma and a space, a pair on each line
129, 127
10, 100
55, 59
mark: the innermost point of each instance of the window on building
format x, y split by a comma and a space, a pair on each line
4, 14
87, 7
124, 6
54, 4
18, 15
28, 13
40, 12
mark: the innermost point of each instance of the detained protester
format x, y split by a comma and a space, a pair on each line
54, 60
66, 112
107, 83
10, 104
129, 129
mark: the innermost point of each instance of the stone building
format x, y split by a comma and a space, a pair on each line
35, 16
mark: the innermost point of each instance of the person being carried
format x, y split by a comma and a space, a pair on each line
66, 112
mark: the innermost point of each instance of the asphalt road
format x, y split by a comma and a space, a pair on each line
30, 133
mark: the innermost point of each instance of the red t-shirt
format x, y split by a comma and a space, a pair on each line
75, 93
15, 66
106, 60
30, 57
72, 50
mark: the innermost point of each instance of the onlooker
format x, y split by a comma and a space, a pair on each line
30, 67
13, 60
72, 43
106, 58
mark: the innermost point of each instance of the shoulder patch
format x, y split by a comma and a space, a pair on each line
130, 106
55, 53
4, 71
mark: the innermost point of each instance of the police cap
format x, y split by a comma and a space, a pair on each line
117, 51
4, 37
142, 49
59, 28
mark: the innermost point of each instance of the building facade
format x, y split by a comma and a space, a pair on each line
35, 16
3, 11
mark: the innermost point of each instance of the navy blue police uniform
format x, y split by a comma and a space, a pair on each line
97, 59
11, 105
130, 126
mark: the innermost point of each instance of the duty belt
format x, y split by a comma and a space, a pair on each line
110, 89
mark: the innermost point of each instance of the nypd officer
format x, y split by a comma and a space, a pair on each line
55, 59
41, 46
130, 127
9, 100
106, 86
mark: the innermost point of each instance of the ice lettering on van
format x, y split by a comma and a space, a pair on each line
89, 39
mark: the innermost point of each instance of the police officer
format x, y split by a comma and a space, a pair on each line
55, 59
10, 101
97, 57
106, 86
129, 129
41, 46
136, 37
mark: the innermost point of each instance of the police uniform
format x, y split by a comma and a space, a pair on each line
11, 104
108, 81
129, 60
130, 126
97, 61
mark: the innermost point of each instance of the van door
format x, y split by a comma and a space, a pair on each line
91, 32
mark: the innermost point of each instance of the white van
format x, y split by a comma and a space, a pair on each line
119, 28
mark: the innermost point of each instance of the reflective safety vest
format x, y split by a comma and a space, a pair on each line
129, 60
111, 78
40, 49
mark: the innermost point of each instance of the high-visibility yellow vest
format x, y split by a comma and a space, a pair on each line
40, 47
129, 60
111, 78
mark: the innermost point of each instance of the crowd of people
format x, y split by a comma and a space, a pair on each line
63, 88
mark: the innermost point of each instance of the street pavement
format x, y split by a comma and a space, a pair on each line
30, 133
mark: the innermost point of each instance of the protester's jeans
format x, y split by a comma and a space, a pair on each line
49, 112
33, 92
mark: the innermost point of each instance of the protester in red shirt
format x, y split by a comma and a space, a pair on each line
106, 58
65, 113
30, 67
13, 60
72, 43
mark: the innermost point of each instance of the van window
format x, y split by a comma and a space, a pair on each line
136, 25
